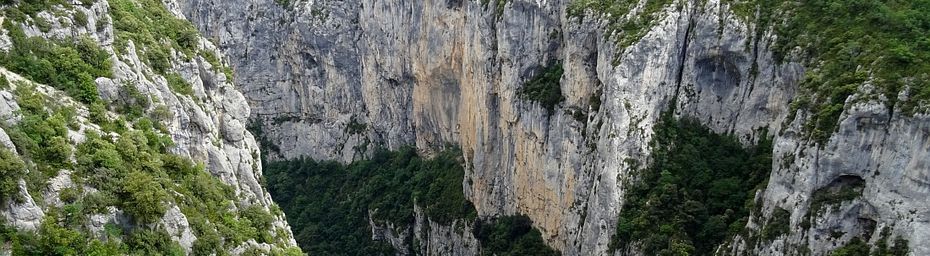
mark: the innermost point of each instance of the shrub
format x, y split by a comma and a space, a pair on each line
855, 247
625, 29
155, 30
153, 242
144, 197
65, 65
545, 88
12, 170
80, 18
260, 219
779, 224
511, 235
179, 85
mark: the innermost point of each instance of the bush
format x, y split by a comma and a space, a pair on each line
778, 225
153, 242
179, 85
12, 170
261, 220
626, 29
80, 18
545, 88
143, 197
70, 66
511, 235
154, 30
877, 41
855, 247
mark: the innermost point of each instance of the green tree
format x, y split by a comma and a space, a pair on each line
144, 197
12, 170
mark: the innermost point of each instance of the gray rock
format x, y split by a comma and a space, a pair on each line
428, 73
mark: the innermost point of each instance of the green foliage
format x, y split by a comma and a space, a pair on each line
835, 194
153, 242
355, 127
42, 24
179, 85
12, 169
261, 220
53, 238
882, 42
217, 65
66, 65
4, 82
695, 194
545, 88
625, 30
80, 18
855, 247
40, 136
511, 235
144, 197
779, 224
32, 7
154, 30
899, 248
328, 204
129, 165
283, 3
497, 4
136, 173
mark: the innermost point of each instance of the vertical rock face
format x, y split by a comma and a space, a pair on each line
332, 79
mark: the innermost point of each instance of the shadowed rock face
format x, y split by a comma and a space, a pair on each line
430, 73
718, 73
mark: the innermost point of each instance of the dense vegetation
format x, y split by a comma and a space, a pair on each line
125, 158
882, 43
858, 247
328, 204
70, 66
154, 30
11, 171
511, 235
130, 169
545, 88
697, 191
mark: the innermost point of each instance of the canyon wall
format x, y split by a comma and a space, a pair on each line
333, 79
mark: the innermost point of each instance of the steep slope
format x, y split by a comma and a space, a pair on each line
334, 80
123, 134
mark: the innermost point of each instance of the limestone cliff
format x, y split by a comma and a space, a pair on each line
332, 79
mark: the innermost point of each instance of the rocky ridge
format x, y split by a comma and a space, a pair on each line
206, 125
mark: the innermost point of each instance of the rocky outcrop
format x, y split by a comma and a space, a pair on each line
435, 72
206, 126
427, 236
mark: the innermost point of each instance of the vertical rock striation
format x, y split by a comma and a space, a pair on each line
331, 79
